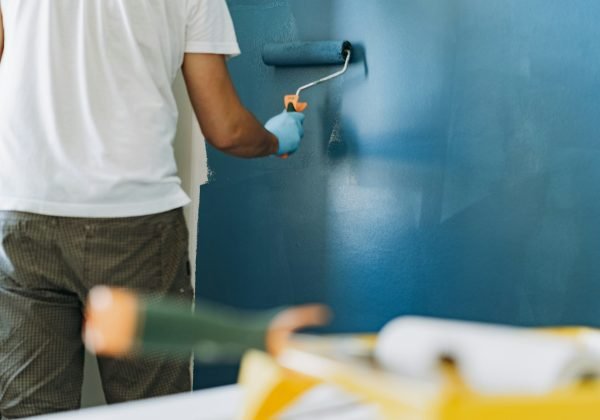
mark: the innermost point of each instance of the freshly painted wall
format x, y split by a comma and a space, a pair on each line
453, 172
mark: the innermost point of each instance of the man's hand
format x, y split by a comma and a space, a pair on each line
290, 320
226, 124
288, 129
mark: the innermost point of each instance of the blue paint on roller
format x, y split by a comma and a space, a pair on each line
318, 53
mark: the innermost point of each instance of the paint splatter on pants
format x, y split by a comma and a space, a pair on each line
47, 266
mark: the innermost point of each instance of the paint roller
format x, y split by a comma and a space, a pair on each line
320, 53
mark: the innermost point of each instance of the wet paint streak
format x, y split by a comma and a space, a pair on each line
335, 136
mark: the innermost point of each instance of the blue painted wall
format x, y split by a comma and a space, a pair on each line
453, 172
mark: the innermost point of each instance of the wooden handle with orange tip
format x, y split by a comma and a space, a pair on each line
120, 322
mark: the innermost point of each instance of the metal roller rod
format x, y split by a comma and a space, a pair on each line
326, 78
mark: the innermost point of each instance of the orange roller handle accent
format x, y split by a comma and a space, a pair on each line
294, 101
292, 104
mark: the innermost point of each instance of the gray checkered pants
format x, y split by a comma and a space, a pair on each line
47, 266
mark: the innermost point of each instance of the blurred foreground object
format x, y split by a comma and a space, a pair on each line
119, 322
491, 359
427, 369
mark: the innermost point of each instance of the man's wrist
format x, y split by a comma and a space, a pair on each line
274, 144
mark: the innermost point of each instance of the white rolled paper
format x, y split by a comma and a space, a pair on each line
494, 360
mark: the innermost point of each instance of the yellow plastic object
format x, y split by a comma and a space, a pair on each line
346, 361
269, 388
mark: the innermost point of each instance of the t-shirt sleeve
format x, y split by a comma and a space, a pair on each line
210, 28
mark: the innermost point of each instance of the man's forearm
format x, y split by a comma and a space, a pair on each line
250, 139
225, 122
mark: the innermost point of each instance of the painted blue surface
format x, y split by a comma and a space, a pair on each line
454, 171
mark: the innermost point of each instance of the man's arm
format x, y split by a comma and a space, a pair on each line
225, 122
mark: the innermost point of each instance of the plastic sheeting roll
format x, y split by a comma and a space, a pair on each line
491, 359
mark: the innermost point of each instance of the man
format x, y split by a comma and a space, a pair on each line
89, 192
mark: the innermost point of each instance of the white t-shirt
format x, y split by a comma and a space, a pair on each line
87, 112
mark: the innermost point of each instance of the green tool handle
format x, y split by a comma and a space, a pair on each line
214, 332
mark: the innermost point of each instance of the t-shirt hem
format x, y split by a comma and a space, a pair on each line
230, 49
45, 208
